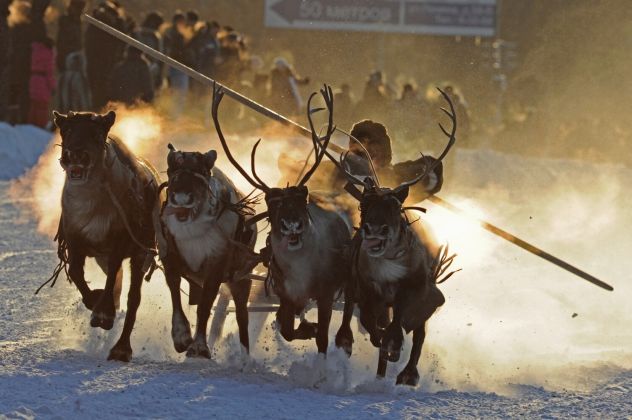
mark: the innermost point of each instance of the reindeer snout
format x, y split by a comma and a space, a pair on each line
374, 230
293, 227
181, 198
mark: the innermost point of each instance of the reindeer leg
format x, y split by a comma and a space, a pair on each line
118, 289
382, 363
122, 350
322, 328
410, 375
368, 319
285, 319
76, 263
104, 312
199, 346
241, 292
392, 341
220, 313
423, 308
344, 337
393, 336
180, 327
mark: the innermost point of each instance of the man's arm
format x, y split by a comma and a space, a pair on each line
428, 186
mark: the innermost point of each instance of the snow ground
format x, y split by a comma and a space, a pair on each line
20, 147
506, 344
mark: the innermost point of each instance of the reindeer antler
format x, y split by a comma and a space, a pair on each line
452, 139
218, 94
320, 148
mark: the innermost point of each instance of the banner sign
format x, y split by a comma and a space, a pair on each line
433, 17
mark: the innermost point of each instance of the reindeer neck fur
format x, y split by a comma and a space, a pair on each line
205, 239
87, 209
306, 272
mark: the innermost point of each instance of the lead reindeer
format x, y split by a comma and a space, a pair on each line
395, 266
109, 202
307, 241
207, 241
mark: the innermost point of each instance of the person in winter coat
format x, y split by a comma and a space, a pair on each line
149, 35
42, 81
19, 61
374, 102
69, 36
284, 88
73, 90
103, 51
4, 60
131, 79
177, 45
208, 50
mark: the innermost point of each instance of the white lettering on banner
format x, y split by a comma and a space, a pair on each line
359, 14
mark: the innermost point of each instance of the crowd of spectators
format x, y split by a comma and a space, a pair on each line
84, 68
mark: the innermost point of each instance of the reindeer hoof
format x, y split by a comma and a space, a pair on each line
102, 320
344, 340
104, 313
390, 356
392, 343
121, 353
181, 333
306, 330
182, 344
92, 299
408, 377
376, 339
199, 349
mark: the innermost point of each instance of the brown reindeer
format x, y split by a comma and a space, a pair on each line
108, 200
307, 241
207, 242
394, 266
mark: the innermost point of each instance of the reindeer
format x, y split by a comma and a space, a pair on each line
307, 241
208, 241
108, 202
394, 265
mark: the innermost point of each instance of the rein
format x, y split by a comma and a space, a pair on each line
62, 254
150, 263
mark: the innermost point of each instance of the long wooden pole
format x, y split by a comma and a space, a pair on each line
304, 131
522, 244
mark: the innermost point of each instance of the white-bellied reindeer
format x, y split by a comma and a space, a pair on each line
394, 265
307, 241
207, 240
108, 204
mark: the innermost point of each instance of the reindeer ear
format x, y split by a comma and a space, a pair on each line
303, 190
59, 119
209, 159
107, 120
401, 194
174, 157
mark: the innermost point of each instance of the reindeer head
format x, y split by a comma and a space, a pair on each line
287, 207
188, 186
381, 222
83, 140
382, 213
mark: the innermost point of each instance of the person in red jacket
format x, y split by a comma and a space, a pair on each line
42, 82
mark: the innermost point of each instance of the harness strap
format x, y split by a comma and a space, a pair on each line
255, 219
150, 264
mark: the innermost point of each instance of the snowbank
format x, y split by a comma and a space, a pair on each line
20, 148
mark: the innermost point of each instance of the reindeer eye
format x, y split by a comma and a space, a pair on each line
65, 160
85, 158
